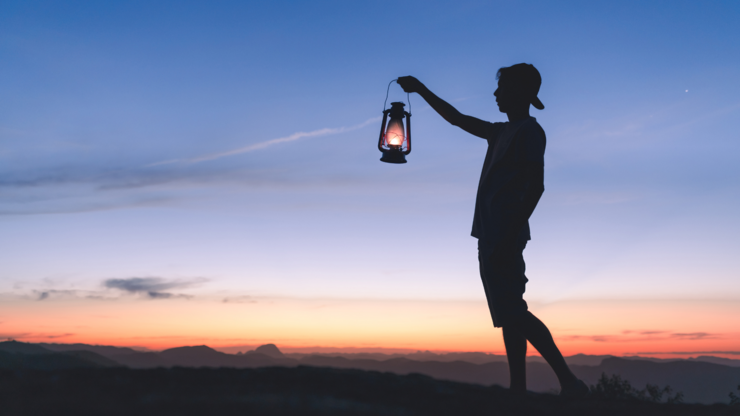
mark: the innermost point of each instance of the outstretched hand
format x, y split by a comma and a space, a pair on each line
410, 84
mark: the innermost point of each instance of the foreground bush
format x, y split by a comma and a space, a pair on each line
615, 388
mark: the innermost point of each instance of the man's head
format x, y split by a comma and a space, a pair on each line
518, 86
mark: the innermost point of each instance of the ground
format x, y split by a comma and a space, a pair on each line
287, 391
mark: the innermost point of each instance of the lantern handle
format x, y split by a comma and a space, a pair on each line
408, 96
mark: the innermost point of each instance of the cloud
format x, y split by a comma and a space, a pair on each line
666, 334
267, 143
152, 287
59, 336
42, 295
82, 185
78, 193
594, 338
644, 332
634, 336
105, 177
14, 336
33, 335
694, 335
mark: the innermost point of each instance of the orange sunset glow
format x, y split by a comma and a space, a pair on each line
648, 328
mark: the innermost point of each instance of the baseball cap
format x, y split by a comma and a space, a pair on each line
526, 77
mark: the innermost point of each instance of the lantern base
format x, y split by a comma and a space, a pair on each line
393, 157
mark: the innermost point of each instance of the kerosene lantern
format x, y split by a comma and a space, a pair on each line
394, 144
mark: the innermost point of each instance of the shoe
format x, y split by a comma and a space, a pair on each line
577, 390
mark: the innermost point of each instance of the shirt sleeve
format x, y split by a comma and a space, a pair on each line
494, 131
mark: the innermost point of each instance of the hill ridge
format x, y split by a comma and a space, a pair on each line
700, 381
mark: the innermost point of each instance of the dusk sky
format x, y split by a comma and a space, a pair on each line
185, 173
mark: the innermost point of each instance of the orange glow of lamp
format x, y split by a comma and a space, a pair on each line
394, 143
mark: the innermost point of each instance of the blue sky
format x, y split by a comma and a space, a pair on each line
641, 109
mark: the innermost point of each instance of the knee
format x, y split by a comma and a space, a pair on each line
518, 320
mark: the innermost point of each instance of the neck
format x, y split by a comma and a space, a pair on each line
518, 114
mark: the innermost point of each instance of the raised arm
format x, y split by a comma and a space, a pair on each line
472, 125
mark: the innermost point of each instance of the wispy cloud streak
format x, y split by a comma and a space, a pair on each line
639, 336
262, 145
152, 287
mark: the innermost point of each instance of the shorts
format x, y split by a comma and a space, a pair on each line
504, 283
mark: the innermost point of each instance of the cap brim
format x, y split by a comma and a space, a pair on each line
538, 104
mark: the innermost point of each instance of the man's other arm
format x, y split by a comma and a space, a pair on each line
472, 125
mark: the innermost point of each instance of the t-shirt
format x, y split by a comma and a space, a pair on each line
510, 146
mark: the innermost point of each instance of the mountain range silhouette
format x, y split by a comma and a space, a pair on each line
700, 381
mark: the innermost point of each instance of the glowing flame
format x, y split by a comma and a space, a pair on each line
394, 134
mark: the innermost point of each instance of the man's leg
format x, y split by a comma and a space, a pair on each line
539, 336
516, 352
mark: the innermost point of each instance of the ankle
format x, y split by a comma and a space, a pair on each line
568, 380
518, 387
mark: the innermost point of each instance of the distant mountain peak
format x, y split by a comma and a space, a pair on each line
190, 348
270, 350
22, 348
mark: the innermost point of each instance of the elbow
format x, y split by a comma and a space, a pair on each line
455, 118
536, 189
535, 193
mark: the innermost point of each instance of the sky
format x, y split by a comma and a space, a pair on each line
186, 173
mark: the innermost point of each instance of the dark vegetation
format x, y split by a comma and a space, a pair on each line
615, 388
734, 399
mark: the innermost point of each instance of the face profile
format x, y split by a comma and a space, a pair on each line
518, 86
508, 98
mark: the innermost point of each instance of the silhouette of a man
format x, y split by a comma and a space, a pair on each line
511, 184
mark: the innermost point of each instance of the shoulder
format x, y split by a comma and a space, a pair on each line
532, 129
495, 129
533, 134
